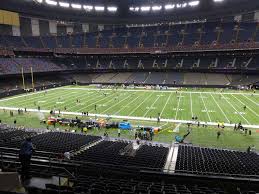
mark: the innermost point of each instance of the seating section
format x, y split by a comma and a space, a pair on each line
12, 138
151, 36
206, 161
15, 65
109, 152
53, 64
88, 184
58, 142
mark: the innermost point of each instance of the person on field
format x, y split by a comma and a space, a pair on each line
119, 132
218, 135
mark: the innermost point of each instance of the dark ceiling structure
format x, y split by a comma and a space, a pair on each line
130, 11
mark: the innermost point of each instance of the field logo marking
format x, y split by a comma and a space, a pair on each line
208, 111
178, 109
240, 113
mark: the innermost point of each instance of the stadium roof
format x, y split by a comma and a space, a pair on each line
129, 11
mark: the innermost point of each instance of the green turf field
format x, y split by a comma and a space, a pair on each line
208, 105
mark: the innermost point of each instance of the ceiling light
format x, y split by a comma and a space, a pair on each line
145, 8
193, 3
63, 4
156, 7
169, 6
51, 2
99, 8
112, 9
76, 6
184, 5
88, 7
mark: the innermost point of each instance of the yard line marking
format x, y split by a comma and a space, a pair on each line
166, 104
26, 94
117, 103
177, 108
96, 102
251, 100
205, 107
191, 104
236, 110
246, 106
220, 108
140, 104
84, 96
26, 101
127, 104
66, 98
151, 106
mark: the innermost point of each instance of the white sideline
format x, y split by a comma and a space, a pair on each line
26, 94
184, 92
131, 117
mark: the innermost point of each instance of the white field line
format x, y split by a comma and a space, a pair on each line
140, 104
177, 108
49, 100
132, 118
235, 109
166, 104
191, 104
151, 106
184, 92
127, 105
54, 99
97, 96
96, 102
220, 108
26, 99
205, 107
257, 104
27, 94
115, 104
246, 106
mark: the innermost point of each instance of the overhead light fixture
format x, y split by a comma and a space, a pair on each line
38, 1
217, 1
156, 8
178, 5
76, 6
136, 9
112, 9
51, 2
184, 5
169, 6
63, 4
88, 7
99, 8
145, 8
193, 3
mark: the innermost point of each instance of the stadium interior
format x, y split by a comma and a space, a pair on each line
129, 96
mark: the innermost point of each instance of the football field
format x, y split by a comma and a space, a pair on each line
210, 106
